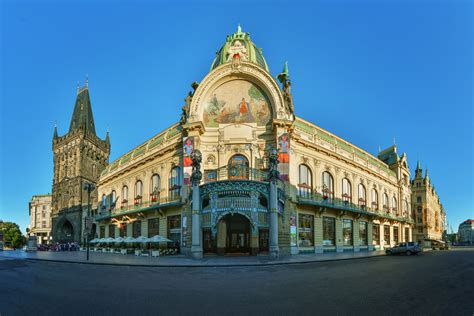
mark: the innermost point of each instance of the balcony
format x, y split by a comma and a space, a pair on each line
236, 172
140, 206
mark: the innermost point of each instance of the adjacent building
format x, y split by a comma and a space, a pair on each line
429, 214
79, 158
241, 173
40, 218
466, 233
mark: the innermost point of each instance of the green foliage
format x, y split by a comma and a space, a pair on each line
12, 234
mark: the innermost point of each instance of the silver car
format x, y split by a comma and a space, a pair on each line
408, 248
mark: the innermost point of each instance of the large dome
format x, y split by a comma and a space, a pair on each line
239, 45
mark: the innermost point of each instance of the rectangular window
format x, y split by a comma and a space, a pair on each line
174, 229
153, 227
395, 234
102, 232
305, 230
386, 234
376, 234
363, 233
136, 229
112, 231
407, 234
329, 231
347, 232
418, 199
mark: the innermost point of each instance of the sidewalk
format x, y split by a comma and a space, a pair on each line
181, 260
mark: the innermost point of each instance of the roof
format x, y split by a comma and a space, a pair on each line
82, 116
389, 155
239, 45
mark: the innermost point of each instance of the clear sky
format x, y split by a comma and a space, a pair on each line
368, 71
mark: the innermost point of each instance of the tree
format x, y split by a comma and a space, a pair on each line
12, 235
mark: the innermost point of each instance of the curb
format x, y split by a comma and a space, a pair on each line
232, 265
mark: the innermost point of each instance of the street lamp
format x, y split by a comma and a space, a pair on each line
89, 187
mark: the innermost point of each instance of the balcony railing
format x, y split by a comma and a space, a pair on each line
323, 200
126, 208
235, 203
236, 172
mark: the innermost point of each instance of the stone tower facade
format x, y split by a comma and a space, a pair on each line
79, 157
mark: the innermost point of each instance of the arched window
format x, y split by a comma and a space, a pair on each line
174, 184
385, 202
362, 195
238, 167
124, 196
104, 202
328, 185
394, 205
405, 207
305, 184
155, 188
375, 199
346, 190
113, 197
138, 192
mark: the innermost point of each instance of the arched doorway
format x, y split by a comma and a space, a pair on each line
238, 167
236, 233
66, 232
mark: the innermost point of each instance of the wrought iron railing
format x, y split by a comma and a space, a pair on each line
127, 208
236, 172
323, 200
235, 203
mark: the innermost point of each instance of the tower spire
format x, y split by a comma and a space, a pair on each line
55, 134
418, 166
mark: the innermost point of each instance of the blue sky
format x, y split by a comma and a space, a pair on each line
368, 71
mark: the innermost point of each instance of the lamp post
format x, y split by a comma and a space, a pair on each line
89, 187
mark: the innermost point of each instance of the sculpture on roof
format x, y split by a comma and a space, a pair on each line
284, 78
187, 103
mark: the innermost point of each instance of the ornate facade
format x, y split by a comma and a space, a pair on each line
429, 214
242, 173
40, 218
466, 233
79, 157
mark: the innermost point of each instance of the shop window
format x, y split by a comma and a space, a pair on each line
153, 227
123, 230
395, 234
305, 230
329, 231
386, 234
347, 233
407, 234
136, 229
376, 234
363, 233
112, 231
174, 229
102, 232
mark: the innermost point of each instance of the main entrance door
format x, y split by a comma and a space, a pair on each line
238, 234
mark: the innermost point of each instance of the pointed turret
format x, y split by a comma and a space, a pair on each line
284, 75
427, 177
82, 117
418, 171
107, 138
55, 134
418, 166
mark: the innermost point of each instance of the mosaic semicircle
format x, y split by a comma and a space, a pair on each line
236, 101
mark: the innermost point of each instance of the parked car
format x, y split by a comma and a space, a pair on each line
408, 248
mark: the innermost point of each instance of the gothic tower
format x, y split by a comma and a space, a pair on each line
79, 158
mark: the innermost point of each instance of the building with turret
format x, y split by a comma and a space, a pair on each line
79, 158
429, 214
241, 173
466, 233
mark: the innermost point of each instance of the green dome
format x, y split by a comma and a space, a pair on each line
239, 45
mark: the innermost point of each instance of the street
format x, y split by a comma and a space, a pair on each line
434, 283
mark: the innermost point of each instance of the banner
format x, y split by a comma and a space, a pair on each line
284, 156
188, 147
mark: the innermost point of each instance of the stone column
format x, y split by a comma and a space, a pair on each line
196, 248
273, 203
370, 238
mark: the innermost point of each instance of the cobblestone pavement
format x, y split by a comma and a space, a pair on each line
435, 283
180, 260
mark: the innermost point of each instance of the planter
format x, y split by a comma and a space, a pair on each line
137, 252
123, 251
155, 253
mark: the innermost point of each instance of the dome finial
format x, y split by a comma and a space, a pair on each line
239, 29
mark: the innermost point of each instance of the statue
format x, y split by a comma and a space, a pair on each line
284, 78
187, 103
273, 173
196, 175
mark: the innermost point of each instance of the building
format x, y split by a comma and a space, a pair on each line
466, 233
79, 158
429, 214
240, 172
40, 218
